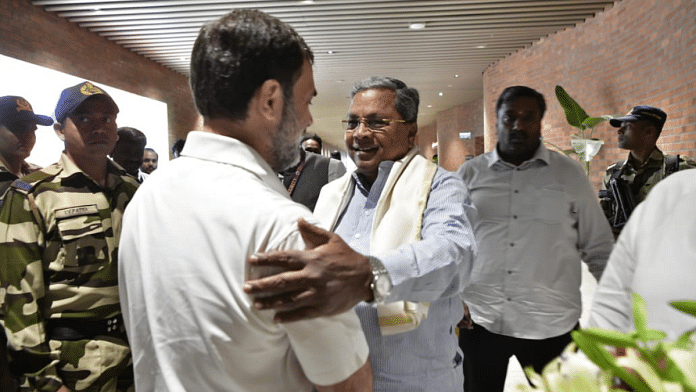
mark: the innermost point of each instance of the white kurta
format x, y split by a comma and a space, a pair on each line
187, 235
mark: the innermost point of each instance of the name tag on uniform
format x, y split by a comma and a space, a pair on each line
77, 211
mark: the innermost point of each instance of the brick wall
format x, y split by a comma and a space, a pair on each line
638, 52
462, 118
30, 34
425, 138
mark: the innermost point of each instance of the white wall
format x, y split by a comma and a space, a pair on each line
42, 87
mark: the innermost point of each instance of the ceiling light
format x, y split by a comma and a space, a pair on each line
481, 47
307, 1
456, 76
416, 26
430, 106
440, 93
330, 52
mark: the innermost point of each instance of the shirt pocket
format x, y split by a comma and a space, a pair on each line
553, 206
84, 247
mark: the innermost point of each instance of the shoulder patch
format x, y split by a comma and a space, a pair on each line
21, 185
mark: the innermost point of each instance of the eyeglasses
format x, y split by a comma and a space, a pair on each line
374, 124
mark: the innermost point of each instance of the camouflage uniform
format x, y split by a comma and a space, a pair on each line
7, 177
642, 180
60, 264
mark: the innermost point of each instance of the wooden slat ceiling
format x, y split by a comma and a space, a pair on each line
351, 39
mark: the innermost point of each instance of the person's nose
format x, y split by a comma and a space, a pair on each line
362, 130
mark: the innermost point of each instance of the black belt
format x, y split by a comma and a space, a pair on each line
72, 329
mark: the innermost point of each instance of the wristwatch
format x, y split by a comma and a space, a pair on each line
381, 284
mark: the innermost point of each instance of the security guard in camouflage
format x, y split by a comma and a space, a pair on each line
59, 234
646, 165
18, 124
17, 137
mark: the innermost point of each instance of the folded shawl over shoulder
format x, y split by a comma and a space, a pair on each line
397, 221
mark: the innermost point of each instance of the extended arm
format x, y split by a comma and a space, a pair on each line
440, 263
332, 277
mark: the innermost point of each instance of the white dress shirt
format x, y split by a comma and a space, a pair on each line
536, 221
186, 237
655, 257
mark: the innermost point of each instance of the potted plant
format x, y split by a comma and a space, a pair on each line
582, 142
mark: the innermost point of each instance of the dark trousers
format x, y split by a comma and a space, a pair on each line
486, 356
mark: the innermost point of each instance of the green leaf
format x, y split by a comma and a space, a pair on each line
574, 113
688, 307
612, 338
591, 122
654, 334
640, 317
594, 350
684, 342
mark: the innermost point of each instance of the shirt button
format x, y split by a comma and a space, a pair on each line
367, 213
514, 217
509, 272
509, 299
516, 191
512, 244
357, 235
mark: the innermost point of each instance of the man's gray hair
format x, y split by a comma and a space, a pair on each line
406, 98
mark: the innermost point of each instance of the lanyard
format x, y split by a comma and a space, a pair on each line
296, 177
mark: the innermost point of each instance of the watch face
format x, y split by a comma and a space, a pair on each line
383, 285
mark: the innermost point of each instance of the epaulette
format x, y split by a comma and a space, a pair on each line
27, 183
22, 186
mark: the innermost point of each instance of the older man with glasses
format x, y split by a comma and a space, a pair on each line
412, 219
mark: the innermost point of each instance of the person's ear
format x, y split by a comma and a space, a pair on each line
651, 131
268, 100
58, 128
413, 130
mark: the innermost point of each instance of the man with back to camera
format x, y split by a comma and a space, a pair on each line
304, 180
537, 219
128, 151
59, 235
18, 124
189, 230
645, 166
413, 219
653, 257
150, 160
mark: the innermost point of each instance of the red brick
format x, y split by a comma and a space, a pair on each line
29, 33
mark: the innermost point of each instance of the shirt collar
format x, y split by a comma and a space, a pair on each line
383, 171
654, 159
541, 155
212, 147
72, 172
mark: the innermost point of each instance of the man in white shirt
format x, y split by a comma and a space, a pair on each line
538, 218
655, 258
188, 234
